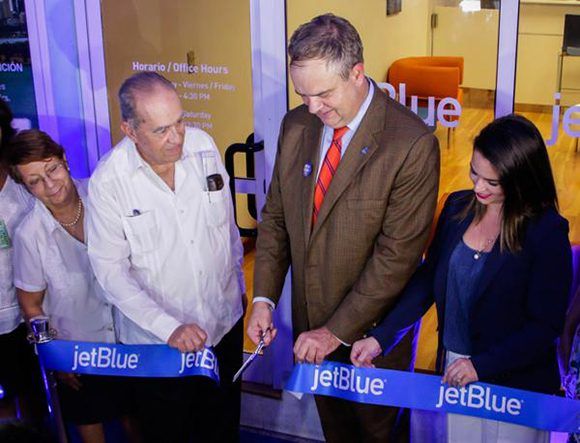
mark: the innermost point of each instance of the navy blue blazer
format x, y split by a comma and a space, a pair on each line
518, 311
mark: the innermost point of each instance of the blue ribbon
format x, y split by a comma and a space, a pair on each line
126, 360
420, 391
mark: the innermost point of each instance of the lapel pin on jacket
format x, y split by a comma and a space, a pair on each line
307, 169
364, 150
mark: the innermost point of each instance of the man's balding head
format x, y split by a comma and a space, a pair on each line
138, 84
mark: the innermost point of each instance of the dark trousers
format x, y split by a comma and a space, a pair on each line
19, 371
21, 378
347, 421
194, 409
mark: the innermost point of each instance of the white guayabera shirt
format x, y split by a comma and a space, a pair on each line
166, 258
47, 258
15, 202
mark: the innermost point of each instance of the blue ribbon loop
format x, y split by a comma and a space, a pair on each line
126, 360
419, 391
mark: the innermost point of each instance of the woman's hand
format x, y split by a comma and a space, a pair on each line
460, 373
364, 352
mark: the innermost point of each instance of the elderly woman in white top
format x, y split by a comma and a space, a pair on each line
53, 276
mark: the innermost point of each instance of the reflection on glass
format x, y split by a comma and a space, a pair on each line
548, 93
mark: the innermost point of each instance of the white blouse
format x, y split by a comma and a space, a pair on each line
47, 257
15, 202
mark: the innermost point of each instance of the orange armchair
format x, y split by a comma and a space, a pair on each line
437, 77
424, 77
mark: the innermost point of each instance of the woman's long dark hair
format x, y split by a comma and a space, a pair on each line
516, 149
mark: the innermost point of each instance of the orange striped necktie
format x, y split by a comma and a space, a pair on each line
327, 170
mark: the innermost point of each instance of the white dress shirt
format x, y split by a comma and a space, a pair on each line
15, 202
47, 257
328, 132
166, 258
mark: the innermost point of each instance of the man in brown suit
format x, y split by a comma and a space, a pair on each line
353, 253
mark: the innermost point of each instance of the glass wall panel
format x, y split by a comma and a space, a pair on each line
548, 91
16, 83
202, 46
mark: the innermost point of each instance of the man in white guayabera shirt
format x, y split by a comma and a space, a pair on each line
164, 244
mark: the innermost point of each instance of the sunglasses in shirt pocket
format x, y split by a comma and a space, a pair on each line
141, 231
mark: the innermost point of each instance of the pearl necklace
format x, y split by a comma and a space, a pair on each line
77, 217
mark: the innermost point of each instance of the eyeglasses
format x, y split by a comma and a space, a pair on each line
52, 172
162, 131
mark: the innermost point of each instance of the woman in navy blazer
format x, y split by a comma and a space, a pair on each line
499, 270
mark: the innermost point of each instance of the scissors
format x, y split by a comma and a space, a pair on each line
250, 358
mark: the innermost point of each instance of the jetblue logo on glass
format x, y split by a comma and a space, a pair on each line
104, 357
478, 397
346, 379
204, 359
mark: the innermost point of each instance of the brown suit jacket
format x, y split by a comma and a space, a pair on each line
372, 227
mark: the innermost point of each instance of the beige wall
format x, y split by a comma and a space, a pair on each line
385, 39
539, 45
473, 36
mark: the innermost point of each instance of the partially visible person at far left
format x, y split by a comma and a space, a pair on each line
54, 278
18, 368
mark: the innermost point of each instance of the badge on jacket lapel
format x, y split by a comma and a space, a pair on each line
364, 150
307, 170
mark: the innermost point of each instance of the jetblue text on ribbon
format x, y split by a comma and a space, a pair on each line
420, 391
126, 360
